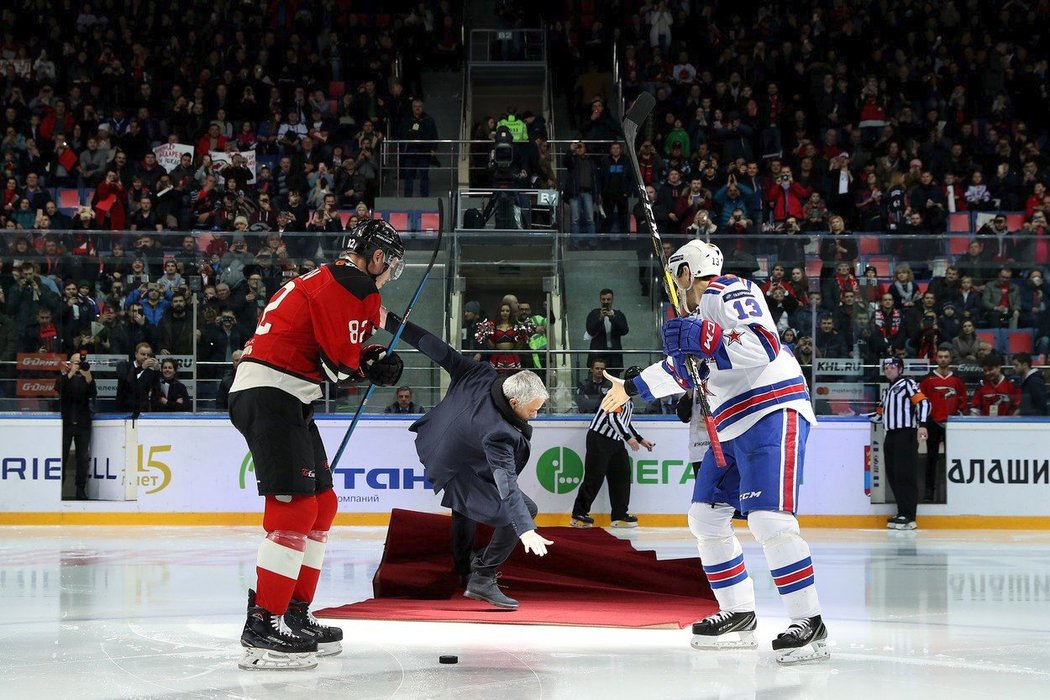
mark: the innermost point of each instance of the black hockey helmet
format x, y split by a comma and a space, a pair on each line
376, 234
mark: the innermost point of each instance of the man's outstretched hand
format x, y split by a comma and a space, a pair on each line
616, 397
535, 543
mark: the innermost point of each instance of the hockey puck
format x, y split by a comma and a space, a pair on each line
448, 659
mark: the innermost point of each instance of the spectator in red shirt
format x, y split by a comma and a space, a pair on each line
786, 196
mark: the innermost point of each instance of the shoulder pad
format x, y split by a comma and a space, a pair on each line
352, 280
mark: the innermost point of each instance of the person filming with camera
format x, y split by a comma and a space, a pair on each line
138, 381
76, 388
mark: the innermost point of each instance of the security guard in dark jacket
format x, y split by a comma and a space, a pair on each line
473, 444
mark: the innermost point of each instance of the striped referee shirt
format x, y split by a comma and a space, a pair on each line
617, 425
904, 405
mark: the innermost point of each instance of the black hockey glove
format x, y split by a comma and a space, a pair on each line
684, 409
380, 368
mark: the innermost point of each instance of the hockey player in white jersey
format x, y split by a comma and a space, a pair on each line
761, 408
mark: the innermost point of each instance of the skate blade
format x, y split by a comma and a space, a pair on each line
727, 641
579, 524
620, 523
811, 653
329, 648
266, 660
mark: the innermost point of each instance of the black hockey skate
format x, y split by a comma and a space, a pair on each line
270, 645
805, 640
582, 521
725, 630
303, 623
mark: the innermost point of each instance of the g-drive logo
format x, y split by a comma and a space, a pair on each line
559, 470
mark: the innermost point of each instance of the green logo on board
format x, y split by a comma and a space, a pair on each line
559, 470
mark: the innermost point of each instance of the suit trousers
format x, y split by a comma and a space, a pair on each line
606, 460
497, 551
80, 434
902, 463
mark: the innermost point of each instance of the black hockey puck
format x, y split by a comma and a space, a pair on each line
448, 659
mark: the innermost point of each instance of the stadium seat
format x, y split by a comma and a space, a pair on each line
883, 263
397, 219
988, 336
959, 222
813, 266
68, 199
345, 214
1019, 340
336, 89
869, 244
429, 222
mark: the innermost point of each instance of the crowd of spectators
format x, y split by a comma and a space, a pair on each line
88, 91
771, 127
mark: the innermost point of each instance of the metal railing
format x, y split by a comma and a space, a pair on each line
837, 376
507, 46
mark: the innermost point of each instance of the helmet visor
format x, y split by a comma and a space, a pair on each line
396, 266
679, 270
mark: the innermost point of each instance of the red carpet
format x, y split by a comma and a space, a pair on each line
588, 578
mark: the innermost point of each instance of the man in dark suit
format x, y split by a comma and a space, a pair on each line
137, 381
473, 444
1032, 384
605, 326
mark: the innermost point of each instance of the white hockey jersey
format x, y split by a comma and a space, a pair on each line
751, 374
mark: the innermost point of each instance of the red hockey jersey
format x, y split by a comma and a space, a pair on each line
947, 395
311, 330
1000, 399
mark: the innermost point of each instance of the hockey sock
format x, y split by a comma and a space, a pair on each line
722, 556
287, 523
313, 557
789, 561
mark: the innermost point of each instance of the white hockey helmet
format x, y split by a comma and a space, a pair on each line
703, 259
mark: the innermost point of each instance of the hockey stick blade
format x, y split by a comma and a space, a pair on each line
636, 116
393, 342
639, 112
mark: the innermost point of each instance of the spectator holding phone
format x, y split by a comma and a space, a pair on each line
138, 381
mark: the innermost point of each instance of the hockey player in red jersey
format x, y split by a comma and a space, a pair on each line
947, 394
312, 330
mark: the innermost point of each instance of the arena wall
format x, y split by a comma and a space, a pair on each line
197, 471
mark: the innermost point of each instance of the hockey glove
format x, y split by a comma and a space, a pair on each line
684, 409
691, 336
380, 368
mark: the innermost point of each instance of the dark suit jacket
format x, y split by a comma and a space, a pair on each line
176, 390
471, 443
596, 329
1033, 395
135, 388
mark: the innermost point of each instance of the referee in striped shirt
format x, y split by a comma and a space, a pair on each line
905, 412
607, 460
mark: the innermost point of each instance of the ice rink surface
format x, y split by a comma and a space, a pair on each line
139, 612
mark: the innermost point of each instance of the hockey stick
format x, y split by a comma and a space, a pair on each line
393, 341
636, 115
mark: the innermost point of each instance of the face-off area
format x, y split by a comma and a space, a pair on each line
134, 612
